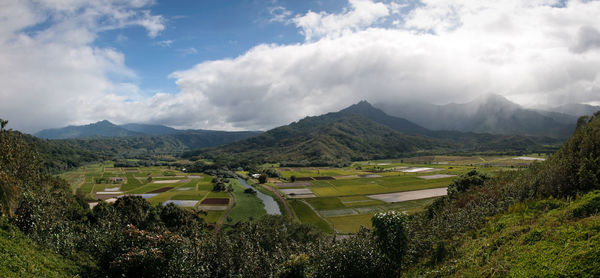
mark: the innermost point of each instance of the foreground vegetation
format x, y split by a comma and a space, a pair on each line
510, 224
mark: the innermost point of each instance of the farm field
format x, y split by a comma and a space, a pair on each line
339, 200
344, 199
156, 184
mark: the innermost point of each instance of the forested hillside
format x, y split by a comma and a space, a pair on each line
362, 132
540, 221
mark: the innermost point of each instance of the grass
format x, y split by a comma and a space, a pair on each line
213, 216
349, 224
193, 195
132, 183
21, 257
246, 206
399, 183
306, 215
213, 194
533, 239
325, 203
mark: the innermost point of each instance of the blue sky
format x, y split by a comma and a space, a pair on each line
197, 31
255, 65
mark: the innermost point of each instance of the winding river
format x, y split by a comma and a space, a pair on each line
270, 205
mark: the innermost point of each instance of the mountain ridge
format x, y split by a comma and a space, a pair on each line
487, 114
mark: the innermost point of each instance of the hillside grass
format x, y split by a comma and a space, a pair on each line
546, 238
21, 257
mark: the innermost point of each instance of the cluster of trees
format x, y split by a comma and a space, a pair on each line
134, 238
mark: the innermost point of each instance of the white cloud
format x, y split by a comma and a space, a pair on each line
279, 14
363, 13
165, 43
533, 52
51, 74
440, 53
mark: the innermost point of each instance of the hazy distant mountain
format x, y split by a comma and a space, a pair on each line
98, 129
487, 114
150, 129
576, 109
360, 132
141, 139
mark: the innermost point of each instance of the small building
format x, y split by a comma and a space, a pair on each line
255, 176
116, 179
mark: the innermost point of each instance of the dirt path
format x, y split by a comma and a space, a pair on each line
289, 211
220, 222
80, 183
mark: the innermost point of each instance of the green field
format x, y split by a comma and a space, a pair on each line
247, 206
306, 215
342, 202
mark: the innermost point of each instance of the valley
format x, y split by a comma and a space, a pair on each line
337, 200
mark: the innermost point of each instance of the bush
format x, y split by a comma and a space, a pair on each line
466, 181
588, 205
390, 234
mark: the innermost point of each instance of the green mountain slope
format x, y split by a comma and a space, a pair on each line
362, 132
21, 257
546, 238
327, 139
150, 129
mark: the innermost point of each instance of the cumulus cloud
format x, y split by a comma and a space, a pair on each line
51, 73
362, 13
442, 52
533, 52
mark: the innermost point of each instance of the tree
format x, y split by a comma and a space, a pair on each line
19, 167
391, 235
262, 178
466, 181
293, 178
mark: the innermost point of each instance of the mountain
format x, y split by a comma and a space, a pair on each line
362, 132
327, 139
150, 129
576, 109
365, 109
486, 114
98, 129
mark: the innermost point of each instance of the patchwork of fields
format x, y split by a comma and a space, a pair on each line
344, 199
337, 200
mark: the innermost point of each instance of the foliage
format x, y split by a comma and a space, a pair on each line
21, 257
262, 178
19, 167
390, 234
466, 181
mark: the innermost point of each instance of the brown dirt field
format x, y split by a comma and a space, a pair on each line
215, 201
106, 196
323, 178
304, 179
161, 190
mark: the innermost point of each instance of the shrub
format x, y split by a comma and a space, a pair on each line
588, 205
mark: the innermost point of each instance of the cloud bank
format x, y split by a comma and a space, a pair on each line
533, 52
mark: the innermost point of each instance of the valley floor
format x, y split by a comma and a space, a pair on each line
339, 200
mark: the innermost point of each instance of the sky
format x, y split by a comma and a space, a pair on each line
255, 65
